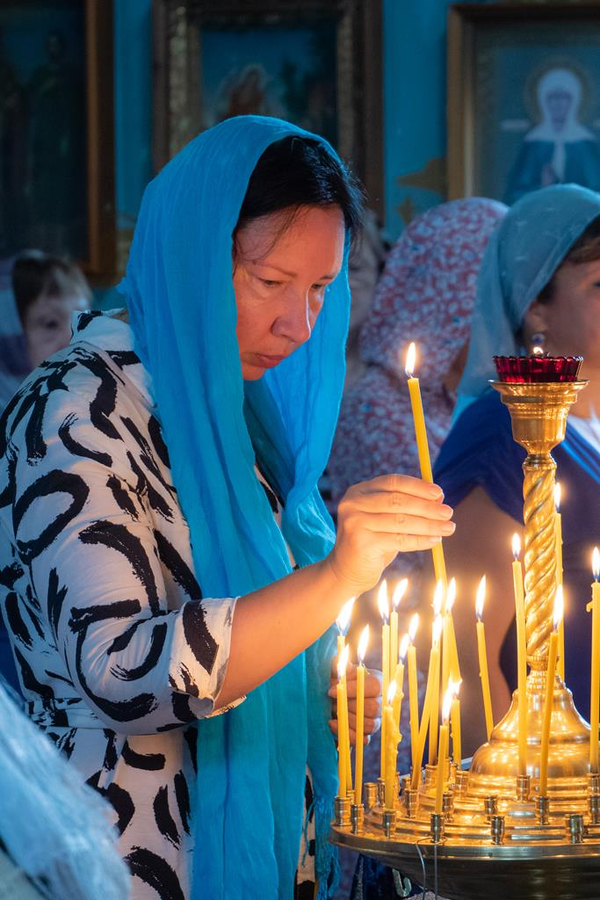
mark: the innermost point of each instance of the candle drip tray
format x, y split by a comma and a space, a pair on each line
496, 838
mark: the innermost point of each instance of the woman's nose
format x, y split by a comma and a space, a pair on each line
296, 322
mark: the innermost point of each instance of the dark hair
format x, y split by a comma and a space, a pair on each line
585, 249
296, 172
36, 273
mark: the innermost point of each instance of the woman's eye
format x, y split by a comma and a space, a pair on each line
268, 283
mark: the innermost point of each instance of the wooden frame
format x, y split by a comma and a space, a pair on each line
540, 38
57, 185
181, 28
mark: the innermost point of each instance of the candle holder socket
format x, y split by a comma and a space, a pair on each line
370, 794
448, 804
405, 783
351, 796
462, 781
430, 775
357, 818
490, 805
411, 802
574, 828
542, 809
437, 828
523, 787
594, 808
593, 782
497, 828
381, 791
389, 821
341, 806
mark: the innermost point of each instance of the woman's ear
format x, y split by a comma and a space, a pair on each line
535, 322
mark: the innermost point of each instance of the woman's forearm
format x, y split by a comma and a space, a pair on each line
274, 624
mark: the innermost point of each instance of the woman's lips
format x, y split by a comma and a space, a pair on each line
268, 362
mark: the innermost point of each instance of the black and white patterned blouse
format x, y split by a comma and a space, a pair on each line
117, 652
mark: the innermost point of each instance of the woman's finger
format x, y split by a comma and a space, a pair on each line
401, 484
401, 523
395, 502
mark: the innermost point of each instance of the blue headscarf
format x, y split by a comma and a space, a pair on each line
179, 289
522, 256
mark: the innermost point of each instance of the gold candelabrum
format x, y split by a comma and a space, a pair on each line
496, 836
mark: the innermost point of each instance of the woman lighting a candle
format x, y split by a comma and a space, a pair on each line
158, 486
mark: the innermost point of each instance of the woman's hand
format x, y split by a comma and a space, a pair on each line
372, 702
380, 518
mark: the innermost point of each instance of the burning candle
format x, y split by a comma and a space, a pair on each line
384, 611
413, 688
450, 600
360, 713
416, 404
392, 736
482, 653
595, 685
399, 679
455, 720
343, 725
434, 709
343, 623
397, 595
443, 752
549, 698
434, 652
559, 577
447, 650
521, 652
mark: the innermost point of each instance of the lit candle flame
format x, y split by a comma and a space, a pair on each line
412, 628
559, 606
455, 687
516, 546
383, 602
537, 351
343, 620
557, 495
404, 647
343, 662
596, 563
447, 704
437, 629
363, 642
391, 692
451, 595
399, 592
480, 599
438, 598
411, 356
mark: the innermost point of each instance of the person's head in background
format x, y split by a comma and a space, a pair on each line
47, 290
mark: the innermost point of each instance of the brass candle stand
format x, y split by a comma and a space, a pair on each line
497, 837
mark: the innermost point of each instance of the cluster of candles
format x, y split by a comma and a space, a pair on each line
444, 670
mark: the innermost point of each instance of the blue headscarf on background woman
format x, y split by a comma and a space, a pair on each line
179, 288
522, 256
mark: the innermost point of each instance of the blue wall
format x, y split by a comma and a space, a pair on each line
414, 105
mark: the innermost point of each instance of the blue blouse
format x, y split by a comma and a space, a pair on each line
480, 451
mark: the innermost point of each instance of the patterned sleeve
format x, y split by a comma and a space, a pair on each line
98, 568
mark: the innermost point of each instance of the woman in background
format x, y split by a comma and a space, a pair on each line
539, 286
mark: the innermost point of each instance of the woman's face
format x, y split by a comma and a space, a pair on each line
571, 317
280, 282
47, 325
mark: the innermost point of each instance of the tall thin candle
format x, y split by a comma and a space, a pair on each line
343, 725
416, 403
434, 709
521, 652
413, 687
392, 736
399, 679
549, 698
595, 684
443, 752
384, 610
343, 623
425, 715
360, 714
482, 653
455, 720
559, 578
